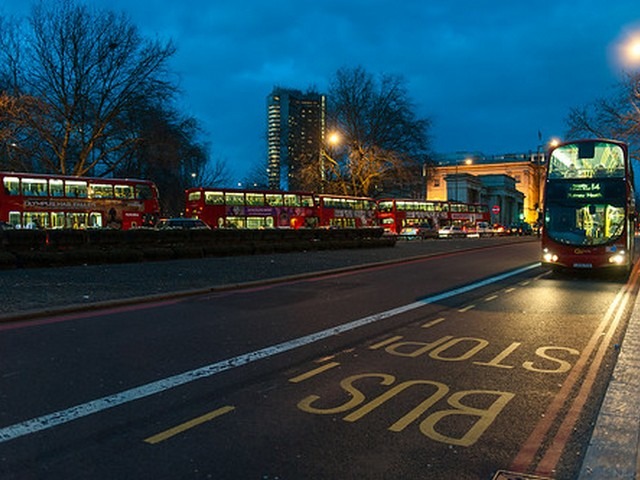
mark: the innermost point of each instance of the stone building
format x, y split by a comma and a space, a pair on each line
510, 185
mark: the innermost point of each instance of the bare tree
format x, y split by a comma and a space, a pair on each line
87, 68
616, 117
386, 144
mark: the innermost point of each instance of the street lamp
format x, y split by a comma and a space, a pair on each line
466, 161
332, 139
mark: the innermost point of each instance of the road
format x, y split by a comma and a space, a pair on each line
457, 366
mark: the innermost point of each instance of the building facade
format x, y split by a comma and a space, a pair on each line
296, 123
510, 185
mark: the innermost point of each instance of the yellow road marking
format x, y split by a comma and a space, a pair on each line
314, 372
385, 342
492, 297
160, 437
433, 322
467, 308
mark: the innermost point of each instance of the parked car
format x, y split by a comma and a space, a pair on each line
520, 229
481, 229
182, 224
451, 231
500, 229
413, 232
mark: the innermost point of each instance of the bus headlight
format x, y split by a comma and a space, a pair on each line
618, 259
548, 256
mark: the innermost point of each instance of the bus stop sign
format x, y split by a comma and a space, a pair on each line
495, 209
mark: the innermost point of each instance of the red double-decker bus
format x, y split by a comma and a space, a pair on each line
396, 214
30, 200
251, 209
343, 211
468, 214
589, 206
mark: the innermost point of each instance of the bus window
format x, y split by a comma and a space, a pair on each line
274, 199
32, 187
291, 200
234, 199
14, 219
36, 220
95, 220
75, 189
235, 222
306, 200
258, 222
99, 190
56, 188
214, 198
57, 220
194, 196
123, 191
143, 192
76, 220
12, 185
255, 199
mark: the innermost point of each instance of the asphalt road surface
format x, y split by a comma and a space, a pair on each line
457, 365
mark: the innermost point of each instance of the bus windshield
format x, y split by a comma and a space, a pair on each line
587, 160
589, 224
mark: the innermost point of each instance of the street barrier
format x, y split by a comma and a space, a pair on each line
47, 248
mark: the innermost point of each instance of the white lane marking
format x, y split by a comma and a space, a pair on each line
60, 417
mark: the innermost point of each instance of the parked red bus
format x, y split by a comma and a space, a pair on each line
343, 211
468, 214
252, 209
396, 214
29, 200
589, 206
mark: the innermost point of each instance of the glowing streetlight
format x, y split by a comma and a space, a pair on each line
629, 50
332, 139
466, 161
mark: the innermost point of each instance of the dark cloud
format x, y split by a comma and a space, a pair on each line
489, 73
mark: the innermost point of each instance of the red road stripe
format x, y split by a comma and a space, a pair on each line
523, 462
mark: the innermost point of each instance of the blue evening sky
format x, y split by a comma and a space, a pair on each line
490, 74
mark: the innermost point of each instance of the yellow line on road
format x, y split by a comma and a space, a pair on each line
385, 342
467, 308
433, 322
492, 297
314, 372
160, 437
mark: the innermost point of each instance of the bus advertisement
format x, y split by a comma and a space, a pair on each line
589, 206
30, 200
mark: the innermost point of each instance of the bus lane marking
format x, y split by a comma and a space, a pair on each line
487, 406
547, 359
525, 459
183, 427
433, 322
312, 373
51, 420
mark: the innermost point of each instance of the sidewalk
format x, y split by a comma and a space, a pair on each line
614, 448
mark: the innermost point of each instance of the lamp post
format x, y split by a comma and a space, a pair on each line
332, 139
467, 161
